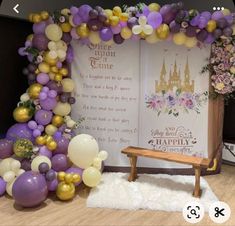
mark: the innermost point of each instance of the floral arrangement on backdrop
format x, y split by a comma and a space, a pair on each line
41, 152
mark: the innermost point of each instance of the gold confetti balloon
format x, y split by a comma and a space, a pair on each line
22, 114
34, 90
23, 148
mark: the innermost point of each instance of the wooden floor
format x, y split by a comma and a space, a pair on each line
56, 213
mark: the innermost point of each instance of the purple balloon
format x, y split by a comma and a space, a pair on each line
206, 15
50, 175
43, 117
194, 22
52, 94
228, 31
30, 189
84, 12
174, 27
73, 10
118, 39
93, 14
55, 86
191, 31
217, 33
76, 170
39, 28
45, 152
217, 15
131, 23
40, 41
154, 19
3, 185
19, 130
210, 39
202, 35
202, 22
229, 19
26, 164
106, 34
62, 145
70, 55
48, 104
6, 148
116, 29
222, 23
43, 78
37, 133
146, 10
77, 20
167, 14
60, 162
94, 24
52, 185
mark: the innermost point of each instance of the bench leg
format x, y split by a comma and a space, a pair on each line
133, 173
197, 190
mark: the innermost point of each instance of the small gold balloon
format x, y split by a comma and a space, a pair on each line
36, 18
49, 60
22, 114
76, 178
108, 12
57, 120
64, 71
54, 69
66, 27
211, 25
58, 77
34, 90
31, 17
65, 191
143, 35
40, 140
44, 15
117, 11
44, 67
61, 176
68, 178
52, 145
124, 17
114, 20
23, 148
154, 7
163, 31
48, 138
83, 30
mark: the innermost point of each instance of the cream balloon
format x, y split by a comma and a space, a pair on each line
94, 37
53, 32
68, 85
82, 150
91, 177
9, 176
24, 97
103, 155
97, 163
136, 29
9, 187
37, 161
62, 109
50, 130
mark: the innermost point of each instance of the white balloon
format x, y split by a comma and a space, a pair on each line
53, 54
61, 53
21, 171
142, 20
97, 163
15, 165
137, 29
52, 46
24, 97
9, 176
61, 45
148, 29
82, 150
9, 187
103, 155
38, 160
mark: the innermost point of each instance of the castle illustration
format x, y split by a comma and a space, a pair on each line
175, 81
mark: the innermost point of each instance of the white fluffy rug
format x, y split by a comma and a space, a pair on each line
154, 192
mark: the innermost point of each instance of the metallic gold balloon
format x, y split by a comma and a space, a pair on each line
114, 20
44, 15
76, 178
48, 139
68, 178
61, 176
49, 60
66, 27
34, 90
154, 7
22, 114
36, 18
64, 71
44, 67
54, 69
108, 12
65, 191
52, 145
124, 17
117, 11
163, 31
58, 77
211, 25
57, 120
83, 30
23, 148
40, 140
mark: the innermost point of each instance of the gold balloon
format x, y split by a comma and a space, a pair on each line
57, 120
22, 114
179, 38
211, 25
66, 27
34, 90
163, 31
126, 33
61, 176
49, 60
108, 12
94, 37
117, 11
40, 140
68, 178
64, 71
44, 67
114, 20
154, 7
23, 148
124, 17
76, 178
36, 18
83, 30
44, 15
52, 145
65, 191
190, 42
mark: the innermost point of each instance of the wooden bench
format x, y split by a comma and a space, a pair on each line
197, 162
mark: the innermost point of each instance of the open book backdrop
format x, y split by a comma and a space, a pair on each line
138, 94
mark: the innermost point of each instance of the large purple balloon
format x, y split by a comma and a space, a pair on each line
77, 171
167, 14
62, 146
30, 189
40, 41
206, 15
106, 34
48, 104
77, 20
43, 117
154, 19
3, 185
20, 130
210, 39
60, 162
84, 12
195, 20
6, 148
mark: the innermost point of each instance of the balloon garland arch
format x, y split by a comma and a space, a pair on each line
39, 147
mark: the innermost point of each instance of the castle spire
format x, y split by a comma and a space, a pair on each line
163, 71
187, 71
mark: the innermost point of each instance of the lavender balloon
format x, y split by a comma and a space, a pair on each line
131, 23
3, 185
76, 170
48, 104
39, 28
106, 34
19, 130
154, 19
84, 12
62, 146
60, 162
217, 15
52, 185
45, 152
6, 148
40, 41
30, 189
43, 117
43, 78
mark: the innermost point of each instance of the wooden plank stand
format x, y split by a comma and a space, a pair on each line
197, 162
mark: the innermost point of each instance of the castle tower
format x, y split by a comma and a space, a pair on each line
162, 85
174, 79
188, 85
